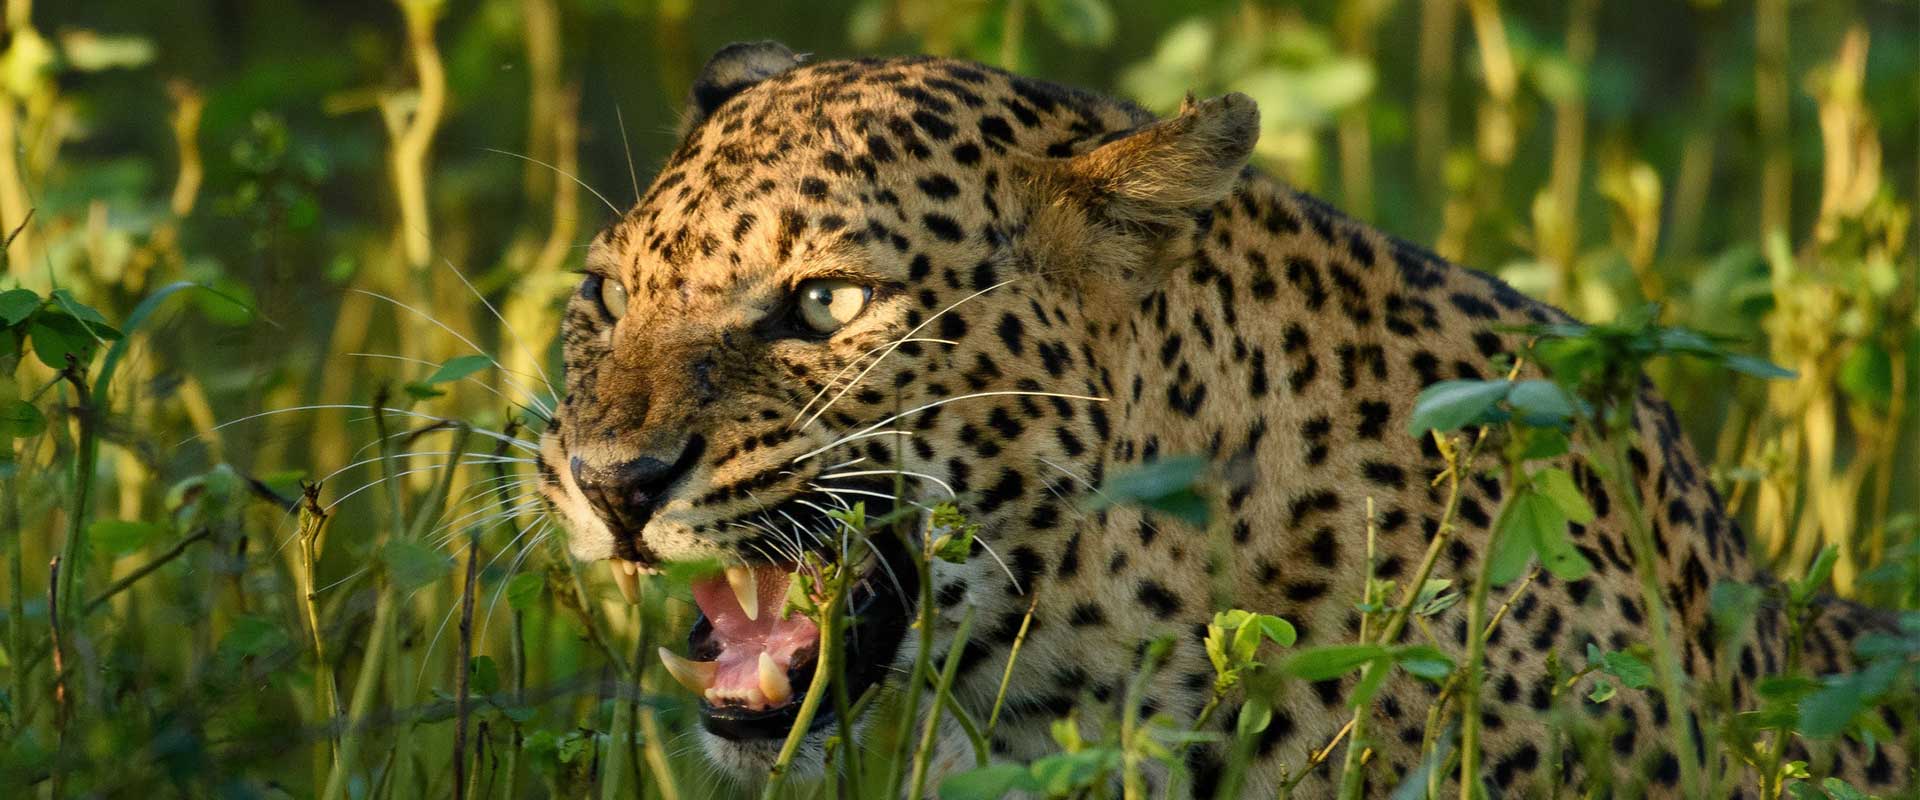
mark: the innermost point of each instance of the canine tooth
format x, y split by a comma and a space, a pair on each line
695, 675
745, 589
626, 575
773, 681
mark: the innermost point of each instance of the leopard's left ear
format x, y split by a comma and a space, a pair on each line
733, 69
1163, 172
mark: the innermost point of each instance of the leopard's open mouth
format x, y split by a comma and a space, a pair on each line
751, 664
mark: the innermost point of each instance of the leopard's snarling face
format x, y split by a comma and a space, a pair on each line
831, 295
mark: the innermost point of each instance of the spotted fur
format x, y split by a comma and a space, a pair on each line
1024, 238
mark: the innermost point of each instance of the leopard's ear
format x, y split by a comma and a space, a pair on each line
733, 69
1164, 171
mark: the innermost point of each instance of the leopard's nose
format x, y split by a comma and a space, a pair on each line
626, 494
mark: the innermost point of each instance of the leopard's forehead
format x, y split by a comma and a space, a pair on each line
833, 158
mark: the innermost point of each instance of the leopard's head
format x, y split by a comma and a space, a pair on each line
880, 282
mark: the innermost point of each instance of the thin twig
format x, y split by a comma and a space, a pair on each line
462, 673
94, 603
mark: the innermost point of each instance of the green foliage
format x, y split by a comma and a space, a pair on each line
1169, 485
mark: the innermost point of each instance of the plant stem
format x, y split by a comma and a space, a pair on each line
86, 450
313, 520
462, 672
924, 753
1352, 778
363, 691
94, 603
1133, 784
824, 667
910, 708
1618, 475
1477, 643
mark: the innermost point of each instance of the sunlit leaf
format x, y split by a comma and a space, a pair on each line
1451, 405
17, 305
1331, 661
458, 367
987, 783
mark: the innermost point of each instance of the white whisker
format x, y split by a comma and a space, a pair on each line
505, 325
937, 404
562, 173
495, 435
506, 375
921, 475
857, 360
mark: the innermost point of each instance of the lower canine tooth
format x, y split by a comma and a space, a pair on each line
627, 577
773, 681
695, 675
745, 590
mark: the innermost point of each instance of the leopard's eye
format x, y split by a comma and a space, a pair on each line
827, 304
610, 294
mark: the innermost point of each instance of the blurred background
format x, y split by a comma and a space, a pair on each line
1750, 164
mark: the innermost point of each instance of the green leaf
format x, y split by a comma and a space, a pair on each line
1451, 405
1424, 661
1277, 630
524, 590
1369, 686
1560, 557
1517, 537
1063, 773
1757, 367
1331, 661
459, 367
1246, 641
1631, 671
1254, 717
1827, 712
421, 391
141, 312
1816, 577
483, 676
1602, 692
990, 782
20, 419
411, 565
1732, 605
1559, 487
1540, 403
17, 305
1841, 790
55, 334
1167, 485
118, 537
1543, 443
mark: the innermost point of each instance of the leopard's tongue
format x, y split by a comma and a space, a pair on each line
755, 650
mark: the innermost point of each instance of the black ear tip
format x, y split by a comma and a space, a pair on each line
736, 67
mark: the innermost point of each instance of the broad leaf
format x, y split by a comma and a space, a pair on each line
1451, 405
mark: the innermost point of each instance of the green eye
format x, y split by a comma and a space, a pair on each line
613, 298
827, 304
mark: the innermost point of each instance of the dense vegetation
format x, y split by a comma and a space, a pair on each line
281, 292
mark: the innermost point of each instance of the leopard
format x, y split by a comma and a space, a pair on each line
884, 284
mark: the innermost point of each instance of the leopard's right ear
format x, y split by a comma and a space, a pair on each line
1162, 172
733, 69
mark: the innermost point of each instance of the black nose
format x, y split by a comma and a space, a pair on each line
626, 494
